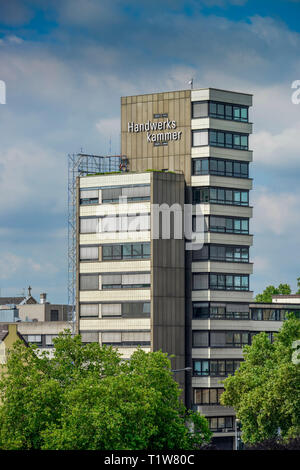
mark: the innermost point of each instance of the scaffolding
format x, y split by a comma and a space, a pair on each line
82, 164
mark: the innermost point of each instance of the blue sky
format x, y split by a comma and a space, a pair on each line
66, 63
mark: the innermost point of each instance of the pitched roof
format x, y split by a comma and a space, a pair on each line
16, 300
11, 300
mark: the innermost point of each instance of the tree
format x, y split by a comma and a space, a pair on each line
265, 389
87, 397
298, 285
266, 296
276, 443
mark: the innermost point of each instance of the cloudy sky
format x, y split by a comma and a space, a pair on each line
66, 63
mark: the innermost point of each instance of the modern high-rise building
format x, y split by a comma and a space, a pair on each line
184, 149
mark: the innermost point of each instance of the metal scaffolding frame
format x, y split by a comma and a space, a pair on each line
82, 164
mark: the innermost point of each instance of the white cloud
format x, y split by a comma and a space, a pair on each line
280, 149
14, 39
108, 127
12, 264
261, 264
29, 176
275, 212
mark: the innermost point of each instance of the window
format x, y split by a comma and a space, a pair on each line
111, 281
126, 310
219, 110
89, 225
213, 195
132, 193
89, 281
200, 310
229, 339
218, 138
136, 309
220, 424
270, 314
126, 338
215, 367
89, 310
111, 252
53, 315
35, 339
223, 368
199, 138
220, 167
199, 109
49, 339
228, 225
199, 255
200, 339
207, 396
232, 254
89, 196
220, 311
125, 281
220, 281
201, 368
89, 253
111, 310
200, 281
89, 336
125, 223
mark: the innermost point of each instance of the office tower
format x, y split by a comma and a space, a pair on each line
183, 148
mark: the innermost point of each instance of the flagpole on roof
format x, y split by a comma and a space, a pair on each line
191, 82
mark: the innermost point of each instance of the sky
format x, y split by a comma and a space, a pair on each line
66, 63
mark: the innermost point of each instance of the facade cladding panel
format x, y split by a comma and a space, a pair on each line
196, 144
131, 289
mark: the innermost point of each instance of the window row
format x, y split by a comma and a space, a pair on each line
215, 109
206, 281
220, 311
40, 340
211, 195
117, 338
218, 138
215, 367
114, 281
235, 225
272, 314
126, 338
224, 339
221, 423
110, 310
126, 251
230, 253
115, 252
115, 194
207, 396
235, 311
124, 223
220, 167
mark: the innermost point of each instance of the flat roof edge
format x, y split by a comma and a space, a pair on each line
191, 90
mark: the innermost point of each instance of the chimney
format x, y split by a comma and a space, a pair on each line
43, 297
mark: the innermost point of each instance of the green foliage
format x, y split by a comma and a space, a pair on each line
266, 296
298, 285
265, 389
87, 397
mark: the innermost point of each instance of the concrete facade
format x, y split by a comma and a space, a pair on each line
110, 313
187, 147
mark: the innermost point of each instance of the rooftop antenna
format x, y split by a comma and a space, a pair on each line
191, 82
